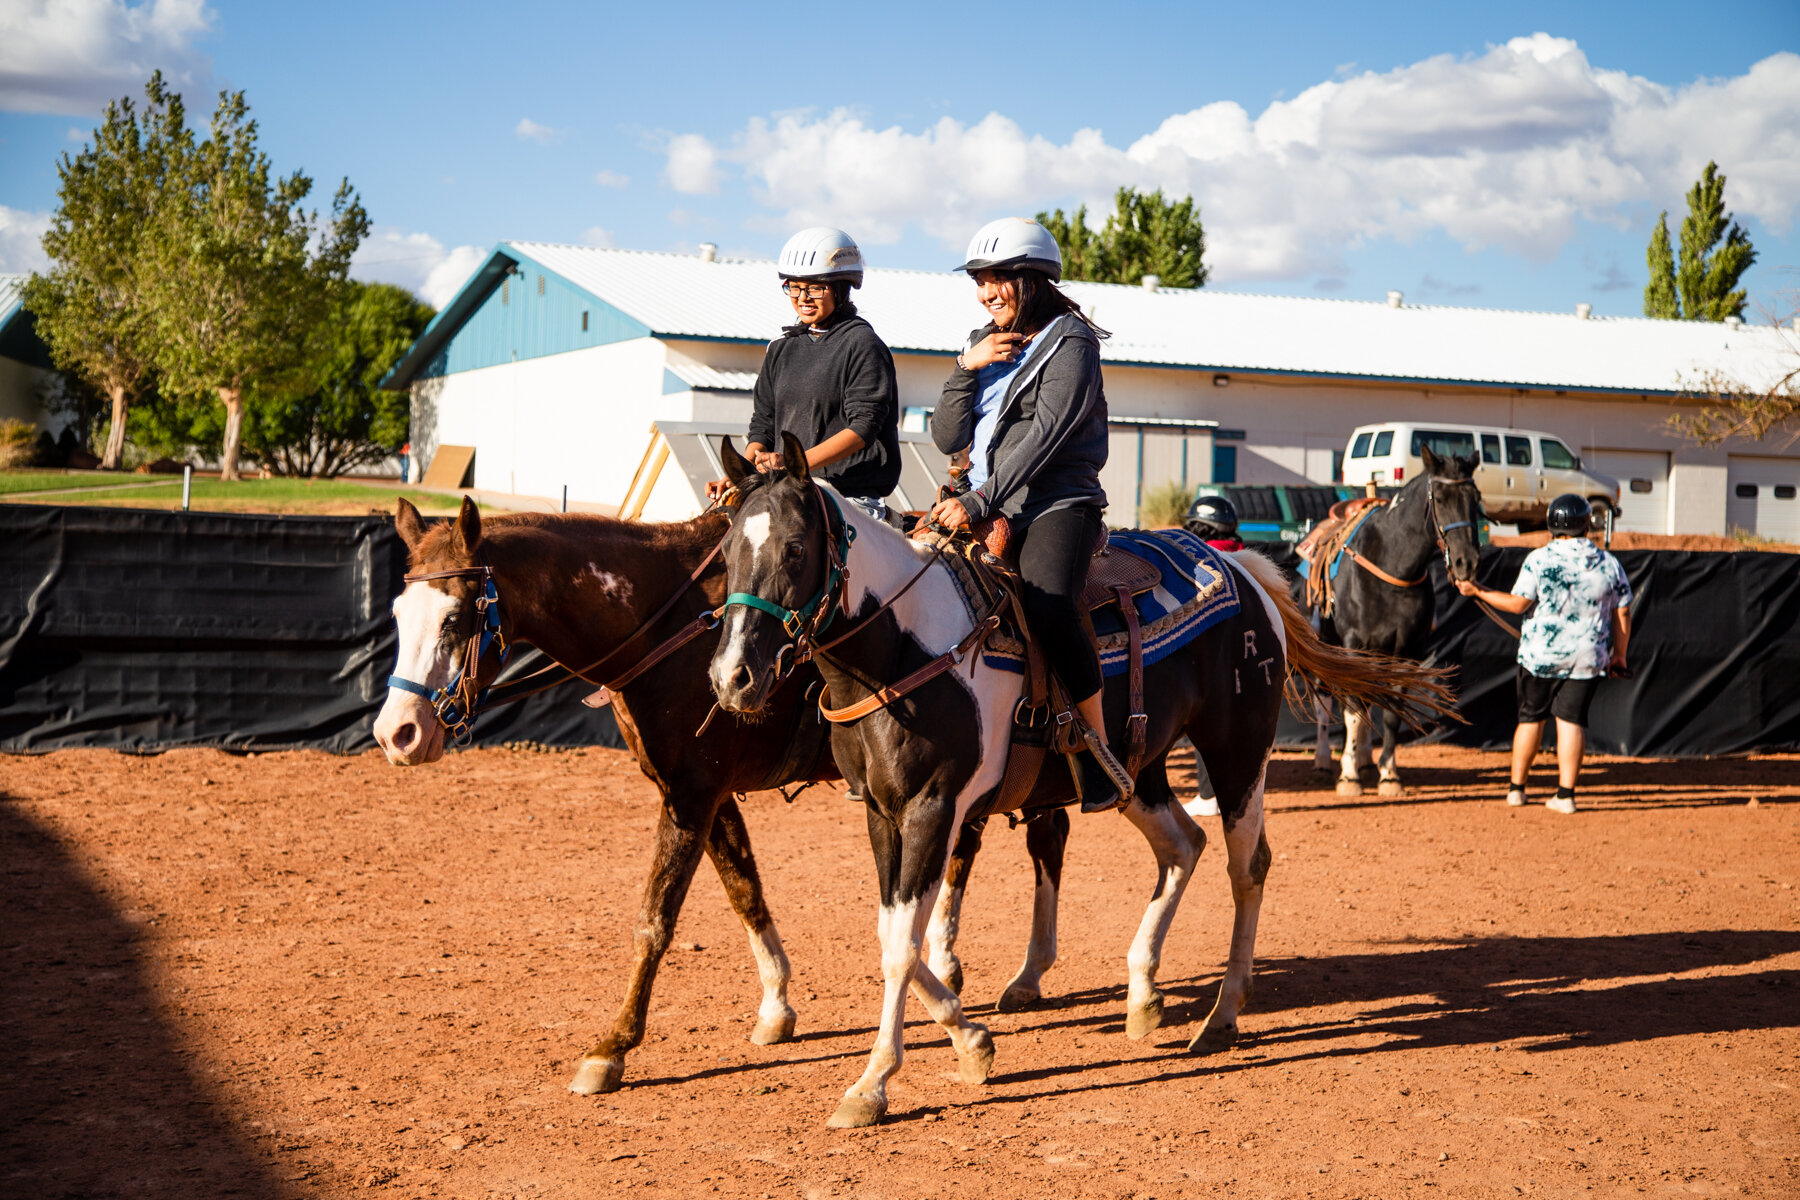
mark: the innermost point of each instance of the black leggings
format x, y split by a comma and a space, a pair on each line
1054, 552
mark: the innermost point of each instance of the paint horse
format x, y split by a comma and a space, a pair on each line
591, 590
1381, 599
929, 754
581, 588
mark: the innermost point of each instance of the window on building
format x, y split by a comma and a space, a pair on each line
1384, 442
540, 285
1361, 448
1784, 491
584, 313
1224, 464
1490, 448
1518, 452
1556, 455
1337, 466
506, 291
1443, 443
1640, 487
1746, 491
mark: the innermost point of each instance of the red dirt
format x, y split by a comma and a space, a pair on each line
298, 975
1661, 541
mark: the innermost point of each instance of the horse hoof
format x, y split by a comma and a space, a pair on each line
857, 1113
1391, 787
978, 1062
771, 1033
1141, 1022
598, 1076
1349, 787
1017, 999
1213, 1039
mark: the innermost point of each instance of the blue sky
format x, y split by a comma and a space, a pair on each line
1337, 150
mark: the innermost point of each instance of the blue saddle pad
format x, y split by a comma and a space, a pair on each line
1197, 591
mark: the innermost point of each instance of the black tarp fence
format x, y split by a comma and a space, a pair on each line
143, 631
1715, 649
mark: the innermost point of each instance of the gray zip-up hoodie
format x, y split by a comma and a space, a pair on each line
1050, 441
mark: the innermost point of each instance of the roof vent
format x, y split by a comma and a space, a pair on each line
1152, 282
1733, 322
1584, 311
709, 251
1394, 299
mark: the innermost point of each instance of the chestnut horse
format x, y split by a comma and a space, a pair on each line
580, 588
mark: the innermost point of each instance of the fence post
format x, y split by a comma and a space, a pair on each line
187, 486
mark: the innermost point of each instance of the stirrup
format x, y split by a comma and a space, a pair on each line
1100, 779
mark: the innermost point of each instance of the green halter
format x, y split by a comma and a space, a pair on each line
814, 617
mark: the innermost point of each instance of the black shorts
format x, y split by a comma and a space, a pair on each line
1565, 699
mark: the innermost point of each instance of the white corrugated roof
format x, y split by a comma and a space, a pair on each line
12, 293
699, 375
685, 295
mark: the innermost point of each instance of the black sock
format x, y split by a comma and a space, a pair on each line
1563, 793
1517, 787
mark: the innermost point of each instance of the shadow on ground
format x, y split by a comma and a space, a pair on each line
96, 1099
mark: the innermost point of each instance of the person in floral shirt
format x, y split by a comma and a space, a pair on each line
1580, 621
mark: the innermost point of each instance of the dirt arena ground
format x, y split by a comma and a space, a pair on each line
296, 975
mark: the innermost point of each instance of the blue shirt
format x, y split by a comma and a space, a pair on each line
1577, 587
992, 380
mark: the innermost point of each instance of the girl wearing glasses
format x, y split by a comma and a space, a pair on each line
1026, 400
828, 379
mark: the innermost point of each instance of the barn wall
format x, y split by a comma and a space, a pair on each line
19, 391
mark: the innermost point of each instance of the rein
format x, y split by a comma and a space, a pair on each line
1438, 527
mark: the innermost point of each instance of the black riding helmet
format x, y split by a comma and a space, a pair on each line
1211, 515
1569, 516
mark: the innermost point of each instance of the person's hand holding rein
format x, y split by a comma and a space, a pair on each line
949, 513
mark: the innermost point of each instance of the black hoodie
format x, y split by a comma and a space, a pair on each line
813, 387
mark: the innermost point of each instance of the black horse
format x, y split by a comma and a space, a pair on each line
1384, 600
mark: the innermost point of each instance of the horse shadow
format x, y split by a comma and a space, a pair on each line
1541, 995
97, 1098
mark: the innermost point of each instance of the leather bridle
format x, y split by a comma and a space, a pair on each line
1438, 528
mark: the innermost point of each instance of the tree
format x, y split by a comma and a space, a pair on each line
1736, 407
1702, 284
1147, 234
242, 272
88, 307
334, 416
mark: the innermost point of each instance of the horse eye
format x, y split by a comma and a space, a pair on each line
795, 550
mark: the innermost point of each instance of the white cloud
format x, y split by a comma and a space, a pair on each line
594, 235
528, 130
416, 261
22, 240
1510, 148
693, 164
611, 179
72, 56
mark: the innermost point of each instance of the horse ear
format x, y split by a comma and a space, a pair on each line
467, 534
737, 467
1468, 463
793, 456
408, 523
1433, 464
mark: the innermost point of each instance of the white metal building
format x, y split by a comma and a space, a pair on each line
24, 359
553, 362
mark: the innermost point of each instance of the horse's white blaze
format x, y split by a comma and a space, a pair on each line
424, 657
756, 532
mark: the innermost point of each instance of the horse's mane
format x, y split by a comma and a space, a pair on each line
586, 529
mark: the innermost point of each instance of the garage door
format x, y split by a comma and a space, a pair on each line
1760, 496
1643, 477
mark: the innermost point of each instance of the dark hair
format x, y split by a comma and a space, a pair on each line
1040, 302
842, 307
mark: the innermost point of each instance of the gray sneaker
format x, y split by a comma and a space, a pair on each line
1561, 804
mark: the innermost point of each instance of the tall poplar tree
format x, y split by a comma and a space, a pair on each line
242, 271
1702, 284
88, 306
1146, 234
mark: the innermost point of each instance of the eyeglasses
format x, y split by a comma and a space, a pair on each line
812, 291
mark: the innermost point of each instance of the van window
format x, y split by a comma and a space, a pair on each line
1444, 444
1556, 455
1361, 448
1518, 452
1384, 442
1490, 448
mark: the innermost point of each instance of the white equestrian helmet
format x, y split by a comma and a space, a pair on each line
1014, 242
822, 253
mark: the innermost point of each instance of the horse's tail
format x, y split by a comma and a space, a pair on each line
1357, 679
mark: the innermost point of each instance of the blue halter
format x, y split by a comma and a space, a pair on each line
454, 707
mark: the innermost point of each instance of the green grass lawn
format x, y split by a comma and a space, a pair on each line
318, 497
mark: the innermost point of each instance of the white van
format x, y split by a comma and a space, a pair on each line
1520, 472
